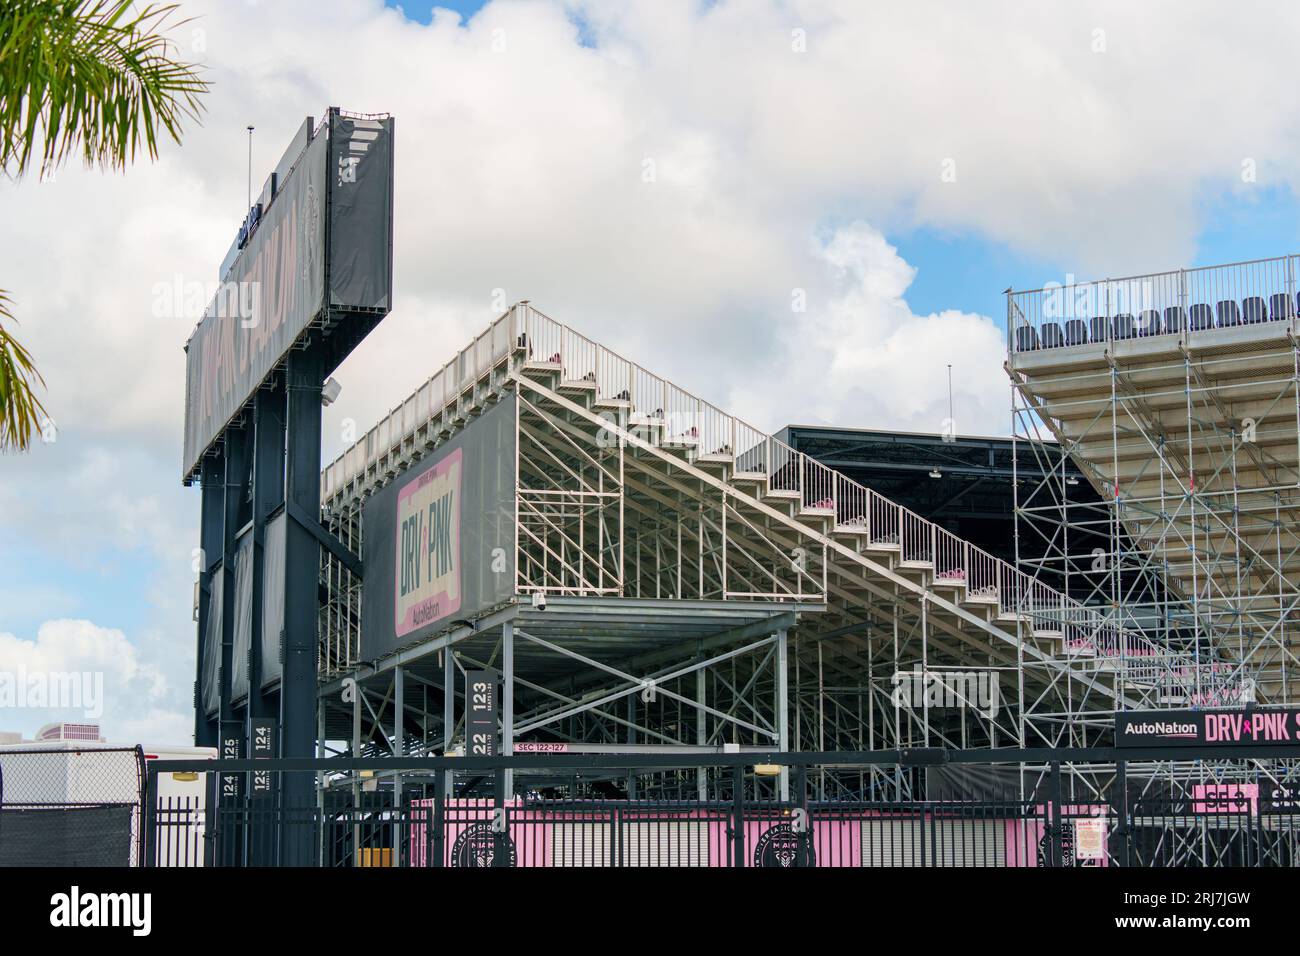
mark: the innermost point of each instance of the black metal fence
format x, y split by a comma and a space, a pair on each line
69, 807
442, 812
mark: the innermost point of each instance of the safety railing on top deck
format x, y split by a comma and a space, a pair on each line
684, 420
1164, 304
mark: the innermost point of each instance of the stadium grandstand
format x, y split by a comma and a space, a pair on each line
679, 576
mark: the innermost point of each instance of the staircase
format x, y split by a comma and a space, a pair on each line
983, 605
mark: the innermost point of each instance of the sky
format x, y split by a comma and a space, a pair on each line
669, 178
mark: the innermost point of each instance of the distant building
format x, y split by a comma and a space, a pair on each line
67, 731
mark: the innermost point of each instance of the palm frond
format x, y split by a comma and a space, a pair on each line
95, 77
21, 412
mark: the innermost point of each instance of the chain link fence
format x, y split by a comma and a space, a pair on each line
61, 806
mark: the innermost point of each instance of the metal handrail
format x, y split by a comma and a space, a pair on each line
1170, 304
534, 338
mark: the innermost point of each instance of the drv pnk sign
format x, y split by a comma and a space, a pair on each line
1198, 728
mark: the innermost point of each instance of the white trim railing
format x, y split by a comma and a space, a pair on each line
1171, 305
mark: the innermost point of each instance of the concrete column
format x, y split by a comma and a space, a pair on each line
448, 713
399, 734
303, 378
508, 700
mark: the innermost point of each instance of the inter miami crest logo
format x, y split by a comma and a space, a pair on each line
1067, 849
476, 847
779, 846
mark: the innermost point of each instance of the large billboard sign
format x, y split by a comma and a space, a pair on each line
1199, 728
338, 189
439, 541
428, 547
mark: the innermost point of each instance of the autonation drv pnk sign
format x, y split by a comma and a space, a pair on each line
1192, 728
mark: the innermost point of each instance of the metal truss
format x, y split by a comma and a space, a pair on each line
706, 587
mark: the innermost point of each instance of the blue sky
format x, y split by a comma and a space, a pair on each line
421, 10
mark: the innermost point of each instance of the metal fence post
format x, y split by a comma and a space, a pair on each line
616, 837
1119, 805
804, 856
439, 818
1056, 829
149, 802
738, 816
500, 831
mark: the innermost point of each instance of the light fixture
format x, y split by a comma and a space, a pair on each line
935, 473
767, 770
329, 392
1071, 480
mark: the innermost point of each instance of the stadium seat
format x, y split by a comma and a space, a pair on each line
1175, 319
1149, 323
1227, 314
1026, 339
1253, 310
1123, 326
1200, 317
1076, 332
1280, 307
1100, 329
1052, 337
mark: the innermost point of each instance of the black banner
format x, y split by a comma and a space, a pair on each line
66, 835
1199, 728
481, 713
232, 748
264, 733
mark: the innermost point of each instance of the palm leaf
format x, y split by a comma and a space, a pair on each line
94, 77
21, 412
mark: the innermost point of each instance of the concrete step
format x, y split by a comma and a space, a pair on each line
577, 386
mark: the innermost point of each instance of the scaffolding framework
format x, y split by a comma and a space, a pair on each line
1177, 397
708, 587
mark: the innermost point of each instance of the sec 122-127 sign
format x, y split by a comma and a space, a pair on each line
481, 713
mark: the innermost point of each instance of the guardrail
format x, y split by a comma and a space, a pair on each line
525, 336
1166, 304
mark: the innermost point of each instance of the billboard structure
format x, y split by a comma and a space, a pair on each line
338, 190
307, 277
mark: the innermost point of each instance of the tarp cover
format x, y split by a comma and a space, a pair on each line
273, 598
210, 692
243, 624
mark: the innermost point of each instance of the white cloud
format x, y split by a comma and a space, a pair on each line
522, 169
859, 356
120, 686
